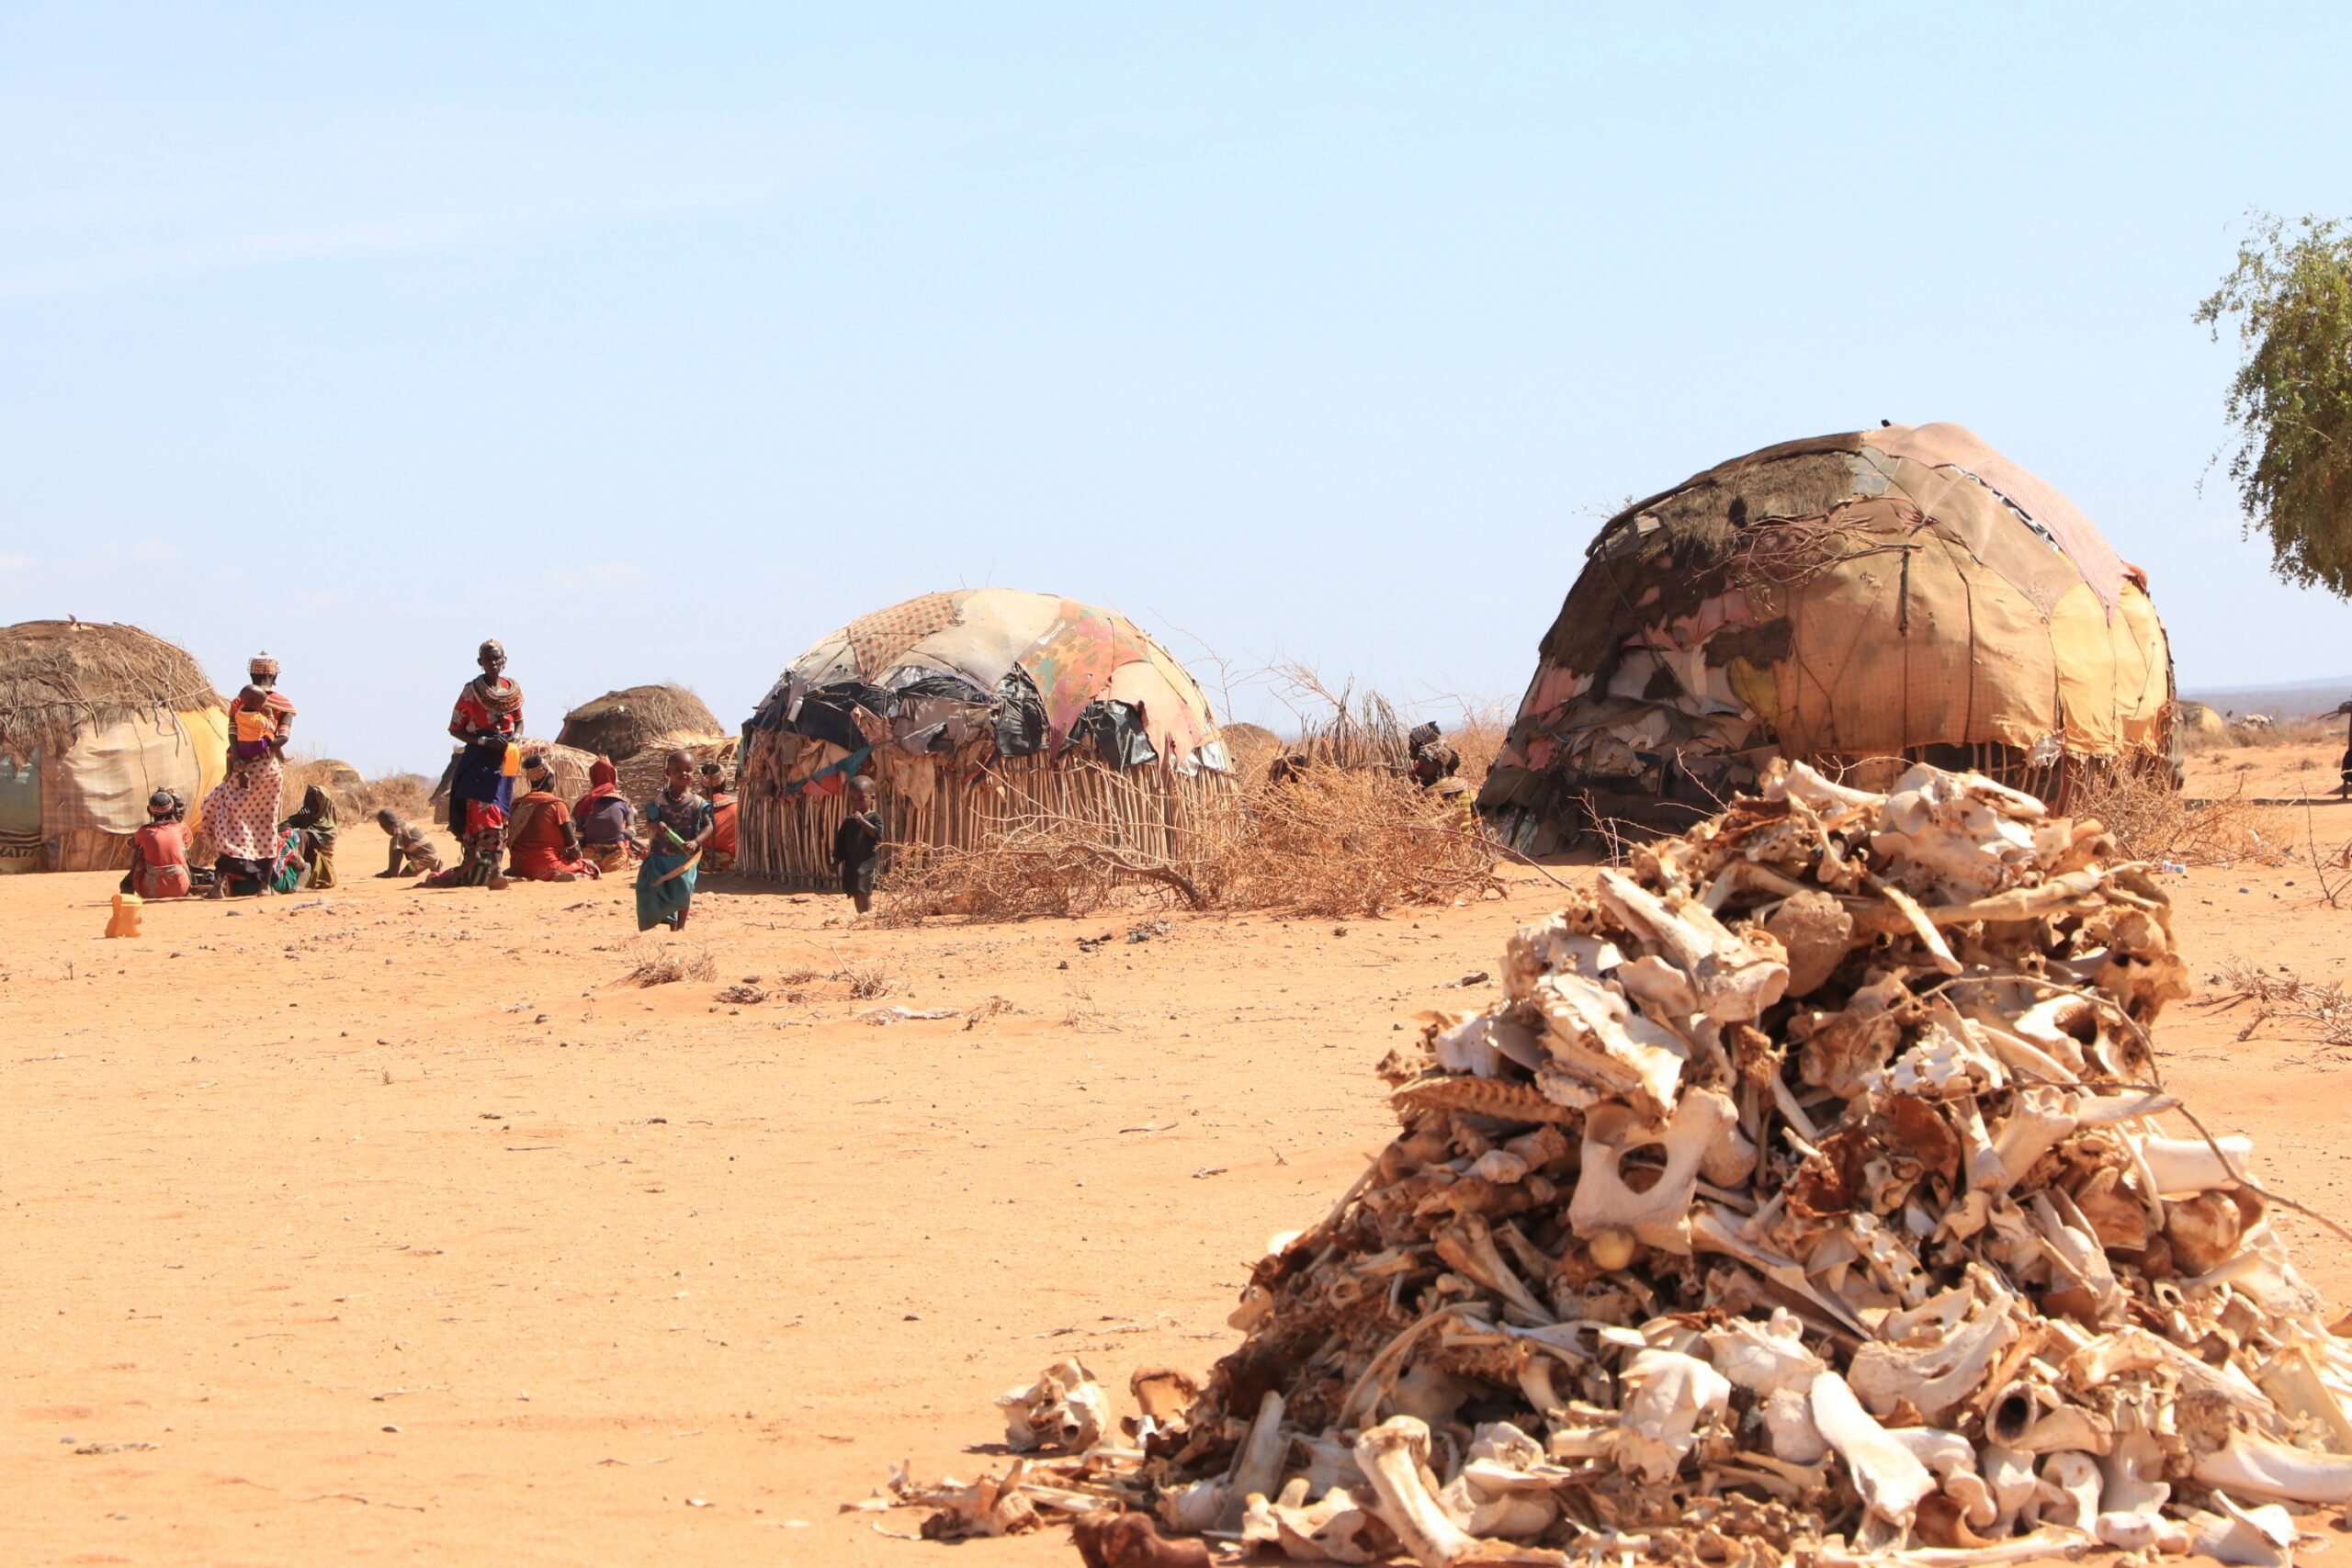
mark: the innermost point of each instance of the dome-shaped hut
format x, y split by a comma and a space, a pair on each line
621, 724
968, 707
1896, 594
93, 718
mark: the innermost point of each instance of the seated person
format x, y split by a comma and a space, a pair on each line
602, 817
413, 851
315, 820
159, 852
541, 843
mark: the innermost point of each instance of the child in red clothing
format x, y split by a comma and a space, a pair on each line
159, 852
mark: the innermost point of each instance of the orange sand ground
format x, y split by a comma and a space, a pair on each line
393, 1227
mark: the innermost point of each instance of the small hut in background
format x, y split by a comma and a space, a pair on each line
972, 707
2201, 728
1861, 601
93, 718
569, 765
620, 725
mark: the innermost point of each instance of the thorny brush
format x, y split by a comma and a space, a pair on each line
671, 965
1333, 842
2322, 1011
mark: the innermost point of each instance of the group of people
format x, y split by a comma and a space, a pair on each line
254, 850
534, 834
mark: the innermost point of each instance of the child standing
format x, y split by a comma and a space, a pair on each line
857, 844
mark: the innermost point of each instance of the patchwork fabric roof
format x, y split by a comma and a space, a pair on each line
1851, 596
1037, 671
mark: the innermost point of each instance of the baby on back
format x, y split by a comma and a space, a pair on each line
252, 728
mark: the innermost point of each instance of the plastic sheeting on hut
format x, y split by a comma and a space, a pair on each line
93, 718
1859, 600
968, 707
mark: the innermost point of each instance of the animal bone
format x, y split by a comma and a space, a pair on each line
1764, 1358
1936, 1370
1323, 1531
1596, 1045
1672, 1394
1257, 1464
2075, 1475
1391, 1456
1064, 1408
1816, 931
1733, 979
2261, 1536
1661, 1216
2040, 1120
2259, 1467
1890, 1478
2008, 1476
2184, 1167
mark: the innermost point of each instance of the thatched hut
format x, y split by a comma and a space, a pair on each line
974, 706
93, 718
1855, 600
568, 763
2201, 728
646, 772
622, 724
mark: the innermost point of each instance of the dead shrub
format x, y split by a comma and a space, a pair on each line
1330, 841
867, 980
2321, 1013
2150, 820
671, 965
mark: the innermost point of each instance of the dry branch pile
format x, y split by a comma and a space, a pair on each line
1327, 841
1802, 1197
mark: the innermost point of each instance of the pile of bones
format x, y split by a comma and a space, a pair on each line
1806, 1195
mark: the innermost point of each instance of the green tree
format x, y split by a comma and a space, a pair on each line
2290, 299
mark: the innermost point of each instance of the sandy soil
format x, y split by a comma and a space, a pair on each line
392, 1225
2275, 773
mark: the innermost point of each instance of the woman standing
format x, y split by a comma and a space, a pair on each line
677, 820
488, 717
240, 818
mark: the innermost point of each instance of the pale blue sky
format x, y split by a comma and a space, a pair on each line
658, 341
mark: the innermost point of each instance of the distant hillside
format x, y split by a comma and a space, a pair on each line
2292, 699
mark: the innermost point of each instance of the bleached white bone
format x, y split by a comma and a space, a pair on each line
2261, 1538
1593, 1041
1661, 1216
2008, 1475
2183, 1167
2255, 1466
1891, 1480
1391, 1456
1936, 1370
2075, 1475
1322, 1532
1764, 1358
2142, 1533
1732, 979
2033, 1128
1065, 1407
1257, 1464
1672, 1394
1788, 1424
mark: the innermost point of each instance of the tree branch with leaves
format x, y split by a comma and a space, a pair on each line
2289, 301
